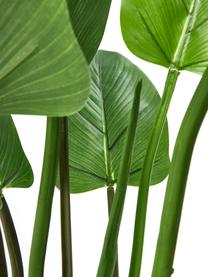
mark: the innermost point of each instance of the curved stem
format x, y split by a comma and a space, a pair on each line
67, 264
3, 262
140, 220
110, 196
11, 239
45, 199
176, 187
109, 252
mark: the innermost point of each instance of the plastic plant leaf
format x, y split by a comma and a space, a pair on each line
42, 68
173, 32
97, 132
89, 19
15, 170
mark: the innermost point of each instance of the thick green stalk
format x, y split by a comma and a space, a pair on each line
11, 239
109, 252
110, 196
3, 262
67, 266
140, 220
176, 187
45, 200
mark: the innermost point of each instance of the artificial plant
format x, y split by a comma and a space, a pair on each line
172, 34
117, 136
43, 71
97, 133
82, 17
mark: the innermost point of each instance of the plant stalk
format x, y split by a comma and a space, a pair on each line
45, 200
3, 262
110, 196
66, 234
174, 198
109, 252
141, 210
12, 240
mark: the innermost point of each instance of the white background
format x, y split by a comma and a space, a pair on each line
89, 210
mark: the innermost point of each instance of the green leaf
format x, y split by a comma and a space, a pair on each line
97, 133
15, 170
89, 20
42, 69
167, 32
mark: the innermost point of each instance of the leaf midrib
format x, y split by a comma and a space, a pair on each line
110, 177
185, 36
106, 145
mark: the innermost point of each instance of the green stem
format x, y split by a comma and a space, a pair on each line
67, 264
110, 196
108, 256
45, 200
3, 262
176, 187
11, 239
140, 220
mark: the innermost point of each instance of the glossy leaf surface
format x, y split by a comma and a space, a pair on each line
97, 133
42, 69
15, 170
167, 32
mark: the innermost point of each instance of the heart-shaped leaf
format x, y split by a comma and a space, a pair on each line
97, 133
15, 170
167, 32
89, 20
42, 69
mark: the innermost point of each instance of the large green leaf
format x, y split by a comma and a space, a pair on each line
15, 170
89, 20
167, 32
97, 133
42, 69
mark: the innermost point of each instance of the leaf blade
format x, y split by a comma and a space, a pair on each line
178, 36
43, 70
89, 19
114, 80
15, 170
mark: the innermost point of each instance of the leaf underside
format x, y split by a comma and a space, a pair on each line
42, 69
173, 32
15, 170
97, 133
